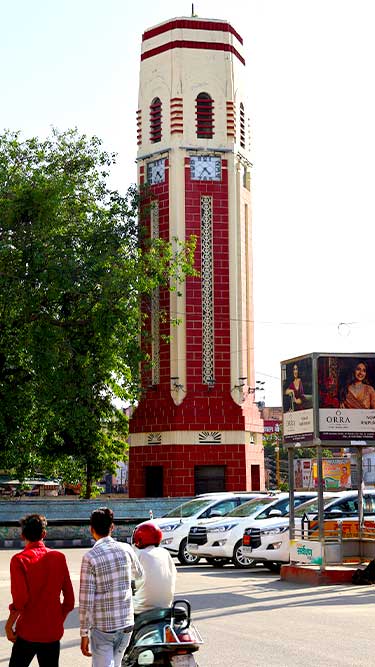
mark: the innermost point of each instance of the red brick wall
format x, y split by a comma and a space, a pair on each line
219, 193
178, 462
159, 192
202, 409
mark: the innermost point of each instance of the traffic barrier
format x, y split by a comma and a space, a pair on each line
68, 520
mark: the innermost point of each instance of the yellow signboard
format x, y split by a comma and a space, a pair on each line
336, 473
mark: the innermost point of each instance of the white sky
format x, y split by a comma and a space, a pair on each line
310, 69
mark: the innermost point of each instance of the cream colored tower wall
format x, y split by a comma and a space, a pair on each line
184, 73
240, 253
178, 297
241, 282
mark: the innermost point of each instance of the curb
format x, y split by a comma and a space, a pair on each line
300, 574
52, 544
56, 544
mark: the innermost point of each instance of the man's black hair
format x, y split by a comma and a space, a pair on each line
101, 520
32, 527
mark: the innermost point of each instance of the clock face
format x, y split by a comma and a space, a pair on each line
205, 168
156, 172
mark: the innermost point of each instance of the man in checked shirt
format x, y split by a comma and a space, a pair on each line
105, 595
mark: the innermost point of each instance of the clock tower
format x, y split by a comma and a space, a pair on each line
197, 427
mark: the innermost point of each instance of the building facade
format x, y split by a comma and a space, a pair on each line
197, 427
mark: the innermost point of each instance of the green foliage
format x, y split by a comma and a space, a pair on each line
310, 453
271, 440
72, 273
284, 486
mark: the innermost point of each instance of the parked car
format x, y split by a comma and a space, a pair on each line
268, 543
175, 525
220, 541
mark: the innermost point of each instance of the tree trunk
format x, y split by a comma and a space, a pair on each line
88, 481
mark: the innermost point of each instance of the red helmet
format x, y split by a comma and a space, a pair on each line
147, 534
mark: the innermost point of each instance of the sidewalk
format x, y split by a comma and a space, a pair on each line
312, 575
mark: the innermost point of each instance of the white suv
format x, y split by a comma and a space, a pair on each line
268, 542
220, 541
175, 525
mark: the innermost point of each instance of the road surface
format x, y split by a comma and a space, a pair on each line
248, 618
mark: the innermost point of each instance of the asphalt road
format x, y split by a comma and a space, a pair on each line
248, 618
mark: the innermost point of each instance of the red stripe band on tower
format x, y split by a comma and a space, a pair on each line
186, 44
219, 26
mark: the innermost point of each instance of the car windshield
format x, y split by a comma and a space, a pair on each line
311, 507
250, 507
190, 508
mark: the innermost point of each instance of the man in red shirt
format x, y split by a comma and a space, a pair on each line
38, 576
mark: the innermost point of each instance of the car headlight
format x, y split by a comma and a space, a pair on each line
170, 527
274, 531
221, 529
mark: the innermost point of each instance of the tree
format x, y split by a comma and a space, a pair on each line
72, 274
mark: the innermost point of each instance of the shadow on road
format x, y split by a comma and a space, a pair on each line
253, 594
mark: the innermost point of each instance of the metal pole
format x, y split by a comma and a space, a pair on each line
341, 545
318, 443
277, 450
360, 489
291, 491
321, 500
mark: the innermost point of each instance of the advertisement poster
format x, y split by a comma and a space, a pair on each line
346, 397
306, 551
121, 478
297, 389
303, 474
271, 427
336, 473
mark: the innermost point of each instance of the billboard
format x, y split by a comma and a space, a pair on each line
346, 397
306, 551
336, 474
330, 397
303, 474
271, 426
297, 399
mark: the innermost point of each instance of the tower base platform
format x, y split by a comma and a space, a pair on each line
312, 575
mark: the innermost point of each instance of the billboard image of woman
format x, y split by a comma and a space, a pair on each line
358, 393
296, 377
346, 397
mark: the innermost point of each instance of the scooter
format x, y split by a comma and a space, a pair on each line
164, 637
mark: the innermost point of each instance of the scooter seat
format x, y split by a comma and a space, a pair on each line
157, 615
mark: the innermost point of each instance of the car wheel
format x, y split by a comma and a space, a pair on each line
273, 567
217, 562
184, 556
239, 559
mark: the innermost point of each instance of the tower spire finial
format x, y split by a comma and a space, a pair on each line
193, 14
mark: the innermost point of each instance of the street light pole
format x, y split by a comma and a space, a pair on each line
277, 451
